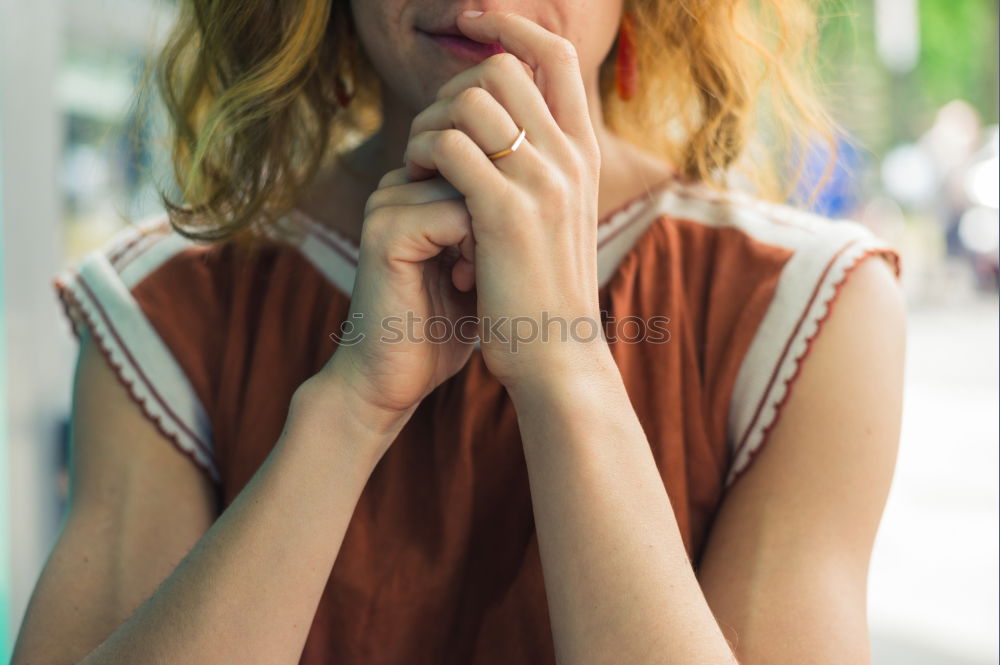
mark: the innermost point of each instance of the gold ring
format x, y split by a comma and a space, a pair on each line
514, 146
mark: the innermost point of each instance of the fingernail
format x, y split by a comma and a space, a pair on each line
471, 13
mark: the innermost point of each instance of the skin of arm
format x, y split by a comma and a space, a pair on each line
620, 588
236, 596
248, 588
618, 581
785, 567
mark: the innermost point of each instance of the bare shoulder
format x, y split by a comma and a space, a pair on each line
791, 544
137, 506
110, 433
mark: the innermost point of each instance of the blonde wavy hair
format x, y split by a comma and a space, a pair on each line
251, 89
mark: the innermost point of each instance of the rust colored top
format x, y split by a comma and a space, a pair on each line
440, 562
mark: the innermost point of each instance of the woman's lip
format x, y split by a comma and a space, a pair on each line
464, 47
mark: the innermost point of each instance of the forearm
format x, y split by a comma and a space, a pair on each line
618, 580
248, 591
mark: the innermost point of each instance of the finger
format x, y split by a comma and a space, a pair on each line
394, 177
415, 233
409, 192
453, 154
467, 248
473, 111
506, 77
552, 58
463, 275
458, 261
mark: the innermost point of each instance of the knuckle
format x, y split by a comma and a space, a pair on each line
592, 163
376, 200
415, 122
375, 223
471, 100
448, 142
564, 52
450, 88
391, 178
376, 233
579, 166
549, 180
504, 64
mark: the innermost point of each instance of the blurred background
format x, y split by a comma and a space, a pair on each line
914, 84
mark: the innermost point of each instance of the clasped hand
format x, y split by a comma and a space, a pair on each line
453, 239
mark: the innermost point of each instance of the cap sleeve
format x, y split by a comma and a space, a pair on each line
806, 291
101, 293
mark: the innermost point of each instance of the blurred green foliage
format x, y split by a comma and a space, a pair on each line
958, 60
958, 57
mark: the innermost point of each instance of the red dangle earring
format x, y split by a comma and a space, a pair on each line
626, 70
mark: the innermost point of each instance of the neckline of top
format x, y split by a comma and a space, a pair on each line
625, 213
605, 225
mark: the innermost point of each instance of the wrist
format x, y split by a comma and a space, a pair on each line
574, 412
589, 368
325, 407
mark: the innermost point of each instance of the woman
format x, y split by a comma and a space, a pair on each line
487, 387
